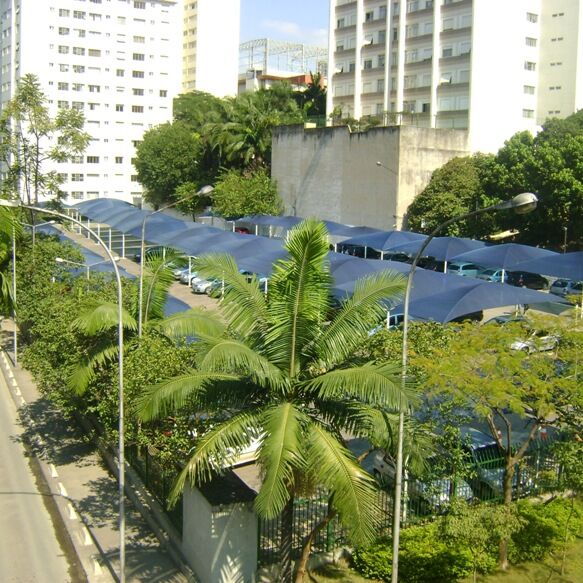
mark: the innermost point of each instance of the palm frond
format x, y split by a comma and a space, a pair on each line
158, 400
157, 281
217, 449
194, 322
299, 299
243, 304
358, 315
229, 355
100, 316
372, 383
280, 456
354, 491
84, 372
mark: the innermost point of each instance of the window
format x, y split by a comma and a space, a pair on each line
61, 86
78, 86
93, 106
134, 178
78, 51
92, 159
94, 88
137, 109
80, 32
63, 104
382, 11
119, 159
139, 39
63, 31
528, 113
78, 69
528, 89
559, 38
530, 42
447, 24
79, 14
63, 67
369, 16
63, 50
368, 64
64, 12
119, 107
382, 36
76, 159
531, 17
94, 53
381, 61
447, 52
78, 105
163, 93
140, 5
351, 67
139, 57
77, 177
119, 72
138, 74
529, 66
380, 85
63, 177
77, 194
137, 91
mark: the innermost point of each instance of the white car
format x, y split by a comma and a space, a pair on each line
201, 286
187, 278
536, 342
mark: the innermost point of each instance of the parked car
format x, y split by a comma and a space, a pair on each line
491, 274
526, 279
537, 342
465, 269
566, 287
503, 319
201, 286
187, 279
432, 494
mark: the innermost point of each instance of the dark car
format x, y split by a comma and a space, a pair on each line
526, 279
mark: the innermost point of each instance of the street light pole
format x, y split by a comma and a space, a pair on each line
202, 192
564, 239
521, 204
87, 266
15, 334
34, 227
121, 429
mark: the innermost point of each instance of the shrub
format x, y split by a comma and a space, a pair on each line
424, 558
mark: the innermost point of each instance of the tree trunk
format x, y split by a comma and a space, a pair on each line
307, 546
285, 549
566, 538
507, 494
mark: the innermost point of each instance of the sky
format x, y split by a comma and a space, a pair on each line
300, 21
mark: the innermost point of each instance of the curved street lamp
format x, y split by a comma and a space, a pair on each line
87, 266
121, 443
521, 204
204, 191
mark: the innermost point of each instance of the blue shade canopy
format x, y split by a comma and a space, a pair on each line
185, 239
505, 256
93, 208
263, 262
567, 265
479, 295
384, 240
442, 248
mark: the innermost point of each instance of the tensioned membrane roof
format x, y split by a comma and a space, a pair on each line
437, 296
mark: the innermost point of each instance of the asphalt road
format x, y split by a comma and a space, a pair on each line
30, 551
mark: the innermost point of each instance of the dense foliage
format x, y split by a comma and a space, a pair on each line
549, 164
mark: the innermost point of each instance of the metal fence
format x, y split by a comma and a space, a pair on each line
423, 501
157, 478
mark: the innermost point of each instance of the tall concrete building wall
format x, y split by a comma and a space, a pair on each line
333, 174
210, 58
492, 67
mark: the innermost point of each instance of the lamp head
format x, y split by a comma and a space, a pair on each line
205, 190
521, 204
59, 260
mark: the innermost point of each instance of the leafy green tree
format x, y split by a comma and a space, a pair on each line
291, 380
481, 372
238, 195
167, 157
456, 188
9, 227
479, 527
30, 138
312, 99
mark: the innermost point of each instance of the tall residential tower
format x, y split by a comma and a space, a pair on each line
493, 67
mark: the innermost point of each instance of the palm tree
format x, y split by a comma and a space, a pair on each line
289, 377
9, 228
100, 317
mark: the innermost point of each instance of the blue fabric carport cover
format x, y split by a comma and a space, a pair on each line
505, 256
442, 248
567, 265
384, 240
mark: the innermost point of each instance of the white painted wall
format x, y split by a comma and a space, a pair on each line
220, 544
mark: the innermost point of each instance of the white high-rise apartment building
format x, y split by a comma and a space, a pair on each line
493, 67
116, 60
210, 55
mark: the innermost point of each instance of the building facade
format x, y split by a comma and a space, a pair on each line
210, 49
493, 67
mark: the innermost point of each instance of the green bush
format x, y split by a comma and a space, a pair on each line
544, 529
424, 558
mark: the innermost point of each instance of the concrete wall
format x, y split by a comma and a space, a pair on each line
220, 543
333, 174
